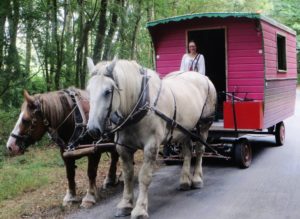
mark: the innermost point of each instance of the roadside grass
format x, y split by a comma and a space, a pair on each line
33, 184
28, 172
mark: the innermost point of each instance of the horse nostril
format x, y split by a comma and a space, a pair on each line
9, 148
94, 133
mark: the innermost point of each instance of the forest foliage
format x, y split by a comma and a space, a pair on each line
43, 43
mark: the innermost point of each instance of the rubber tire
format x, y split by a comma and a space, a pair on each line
242, 153
280, 134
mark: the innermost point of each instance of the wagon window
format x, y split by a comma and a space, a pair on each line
281, 53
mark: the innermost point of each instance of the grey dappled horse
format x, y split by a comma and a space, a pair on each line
116, 89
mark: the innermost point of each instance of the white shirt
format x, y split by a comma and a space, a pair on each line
187, 61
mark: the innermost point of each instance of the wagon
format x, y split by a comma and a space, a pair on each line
250, 58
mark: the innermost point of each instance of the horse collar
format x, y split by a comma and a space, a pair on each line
140, 109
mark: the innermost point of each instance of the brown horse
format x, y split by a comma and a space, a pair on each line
52, 112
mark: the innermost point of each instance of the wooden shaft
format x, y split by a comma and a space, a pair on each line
79, 152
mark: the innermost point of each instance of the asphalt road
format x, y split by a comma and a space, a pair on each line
269, 189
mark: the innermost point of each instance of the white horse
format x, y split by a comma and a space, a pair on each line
116, 89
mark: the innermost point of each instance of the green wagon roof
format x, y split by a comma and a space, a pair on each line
257, 16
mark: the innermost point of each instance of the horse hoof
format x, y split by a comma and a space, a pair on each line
123, 212
110, 183
197, 185
70, 201
184, 187
87, 204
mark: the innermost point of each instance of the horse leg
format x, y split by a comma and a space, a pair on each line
197, 180
145, 177
185, 179
92, 193
70, 196
125, 206
111, 178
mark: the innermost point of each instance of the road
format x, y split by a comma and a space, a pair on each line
269, 189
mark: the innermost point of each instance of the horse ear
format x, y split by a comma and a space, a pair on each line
110, 68
90, 65
29, 99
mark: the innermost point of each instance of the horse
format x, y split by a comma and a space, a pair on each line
145, 112
53, 112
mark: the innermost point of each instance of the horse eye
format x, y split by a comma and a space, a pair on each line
25, 121
107, 92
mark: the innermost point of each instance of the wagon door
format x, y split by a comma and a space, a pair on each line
211, 43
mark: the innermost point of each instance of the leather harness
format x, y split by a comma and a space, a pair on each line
79, 120
143, 106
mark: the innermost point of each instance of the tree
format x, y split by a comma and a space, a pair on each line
100, 32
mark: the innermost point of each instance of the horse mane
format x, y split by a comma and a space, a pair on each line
128, 78
56, 105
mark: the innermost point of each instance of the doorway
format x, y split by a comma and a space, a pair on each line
211, 44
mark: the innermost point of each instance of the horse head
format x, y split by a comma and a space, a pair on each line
104, 95
30, 126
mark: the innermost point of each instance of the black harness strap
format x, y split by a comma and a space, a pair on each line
185, 131
140, 109
79, 120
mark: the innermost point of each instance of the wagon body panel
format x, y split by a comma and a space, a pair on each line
251, 57
280, 87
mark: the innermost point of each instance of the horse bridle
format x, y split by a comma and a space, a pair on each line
26, 138
138, 112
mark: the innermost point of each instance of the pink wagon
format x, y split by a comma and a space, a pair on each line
250, 58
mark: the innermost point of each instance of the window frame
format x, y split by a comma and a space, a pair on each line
283, 37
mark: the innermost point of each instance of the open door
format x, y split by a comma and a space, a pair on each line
211, 44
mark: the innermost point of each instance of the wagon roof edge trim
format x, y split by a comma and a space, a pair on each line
221, 15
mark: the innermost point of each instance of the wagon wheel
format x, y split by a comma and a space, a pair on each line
271, 129
242, 153
280, 133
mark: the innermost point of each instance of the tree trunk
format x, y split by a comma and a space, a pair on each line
69, 48
60, 48
135, 29
79, 46
28, 40
100, 31
3, 15
84, 67
112, 30
82, 41
46, 51
13, 63
122, 34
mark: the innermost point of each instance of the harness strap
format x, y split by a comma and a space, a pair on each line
80, 120
138, 111
185, 131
